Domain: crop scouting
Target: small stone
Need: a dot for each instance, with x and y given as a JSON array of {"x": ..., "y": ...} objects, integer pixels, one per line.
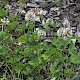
[{"x": 32, "y": 5}]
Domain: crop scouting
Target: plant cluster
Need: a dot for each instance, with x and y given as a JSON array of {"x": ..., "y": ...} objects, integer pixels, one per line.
[{"x": 27, "y": 53}]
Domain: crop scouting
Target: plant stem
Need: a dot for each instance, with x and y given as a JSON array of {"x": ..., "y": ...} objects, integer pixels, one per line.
[{"x": 2, "y": 27}]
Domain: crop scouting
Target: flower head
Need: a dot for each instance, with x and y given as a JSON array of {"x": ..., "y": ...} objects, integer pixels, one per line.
[
  {"x": 64, "y": 32},
  {"x": 60, "y": 32},
  {"x": 67, "y": 32},
  {"x": 5, "y": 21},
  {"x": 41, "y": 33},
  {"x": 30, "y": 16}
]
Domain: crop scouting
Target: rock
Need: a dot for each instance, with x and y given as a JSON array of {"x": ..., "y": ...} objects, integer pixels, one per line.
[{"x": 32, "y": 5}]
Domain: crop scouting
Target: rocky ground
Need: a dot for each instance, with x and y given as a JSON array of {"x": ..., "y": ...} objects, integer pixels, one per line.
[
  {"x": 68, "y": 14},
  {"x": 65, "y": 11}
]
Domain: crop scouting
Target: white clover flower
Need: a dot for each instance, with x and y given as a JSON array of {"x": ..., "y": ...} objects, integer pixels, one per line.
[
  {"x": 60, "y": 32},
  {"x": 30, "y": 16},
  {"x": 64, "y": 32},
  {"x": 41, "y": 34},
  {"x": 49, "y": 21},
  {"x": 67, "y": 32},
  {"x": 34, "y": 14},
  {"x": 5, "y": 21}
]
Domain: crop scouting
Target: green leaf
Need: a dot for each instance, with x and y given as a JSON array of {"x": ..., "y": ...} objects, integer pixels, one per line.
[
  {"x": 3, "y": 50},
  {"x": 34, "y": 36},
  {"x": 3, "y": 4},
  {"x": 75, "y": 58},
  {"x": 16, "y": 50},
  {"x": 78, "y": 38},
  {"x": 59, "y": 43},
  {"x": 11, "y": 26},
  {"x": 15, "y": 59},
  {"x": 27, "y": 70},
  {"x": 2, "y": 35},
  {"x": 3, "y": 12},
  {"x": 58, "y": 3},
  {"x": 27, "y": 51},
  {"x": 46, "y": 26},
  {"x": 30, "y": 78},
  {"x": 40, "y": 77},
  {"x": 21, "y": 1},
  {"x": 67, "y": 72},
  {"x": 53, "y": 71},
  {"x": 44, "y": 56},
  {"x": 31, "y": 26},
  {"x": 18, "y": 16},
  {"x": 54, "y": 68},
  {"x": 72, "y": 47},
  {"x": 21, "y": 29},
  {"x": 22, "y": 38},
  {"x": 55, "y": 24},
  {"x": 3, "y": 77},
  {"x": 35, "y": 62},
  {"x": 17, "y": 69},
  {"x": 12, "y": 16}
]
